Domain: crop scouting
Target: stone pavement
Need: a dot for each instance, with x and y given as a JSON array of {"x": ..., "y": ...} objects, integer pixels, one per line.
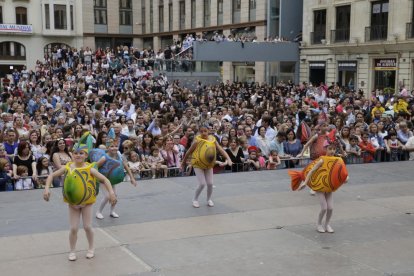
[{"x": 258, "y": 227}]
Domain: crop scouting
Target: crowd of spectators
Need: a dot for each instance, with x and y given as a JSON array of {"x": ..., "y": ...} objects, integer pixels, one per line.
[{"x": 153, "y": 120}]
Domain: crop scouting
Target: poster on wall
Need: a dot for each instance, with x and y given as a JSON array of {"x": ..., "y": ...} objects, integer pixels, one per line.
[
  {"x": 15, "y": 28},
  {"x": 385, "y": 64}
]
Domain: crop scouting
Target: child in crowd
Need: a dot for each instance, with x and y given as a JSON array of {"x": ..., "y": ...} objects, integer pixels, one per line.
[
  {"x": 244, "y": 146},
  {"x": 5, "y": 176},
  {"x": 253, "y": 163},
  {"x": 157, "y": 163},
  {"x": 352, "y": 150},
  {"x": 23, "y": 182},
  {"x": 44, "y": 169},
  {"x": 274, "y": 160},
  {"x": 394, "y": 146},
  {"x": 367, "y": 148},
  {"x": 135, "y": 164},
  {"x": 261, "y": 158}
]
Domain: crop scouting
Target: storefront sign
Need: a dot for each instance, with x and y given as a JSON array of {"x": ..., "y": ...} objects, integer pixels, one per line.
[
  {"x": 317, "y": 65},
  {"x": 13, "y": 28},
  {"x": 385, "y": 64},
  {"x": 347, "y": 65}
]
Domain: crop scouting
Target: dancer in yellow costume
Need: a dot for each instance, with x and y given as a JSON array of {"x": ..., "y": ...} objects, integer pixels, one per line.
[
  {"x": 79, "y": 191},
  {"x": 324, "y": 195},
  {"x": 203, "y": 152}
]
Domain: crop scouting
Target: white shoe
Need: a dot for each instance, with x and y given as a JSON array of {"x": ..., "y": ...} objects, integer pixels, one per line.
[
  {"x": 153, "y": 177},
  {"x": 329, "y": 229},
  {"x": 90, "y": 254},
  {"x": 320, "y": 229},
  {"x": 312, "y": 192},
  {"x": 114, "y": 215},
  {"x": 99, "y": 215},
  {"x": 72, "y": 256},
  {"x": 196, "y": 204},
  {"x": 210, "y": 203}
]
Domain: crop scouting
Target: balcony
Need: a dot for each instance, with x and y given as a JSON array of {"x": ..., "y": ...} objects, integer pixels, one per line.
[
  {"x": 340, "y": 35},
  {"x": 317, "y": 37},
  {"x": 376, "y": 32},
  {"x": 245, "y": 52},
  {"x": 409, "y": 31}
]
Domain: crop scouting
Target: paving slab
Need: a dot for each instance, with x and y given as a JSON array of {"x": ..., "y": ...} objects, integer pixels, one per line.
[
  {"x": 257, "y": 227},
  {"x": 107, "y": 261}
]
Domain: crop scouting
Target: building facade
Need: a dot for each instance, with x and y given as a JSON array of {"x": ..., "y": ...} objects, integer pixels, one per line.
[
  {"x": 30, "y": 29},
  {"x": 366, "y": 45},
  {"x": 40, "y": 25},
  {"x": 157, "y": 23}
]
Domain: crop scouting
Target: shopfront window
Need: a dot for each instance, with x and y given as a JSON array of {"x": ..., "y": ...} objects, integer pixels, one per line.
[
  {"x": 385, "y": 71},
  {"x": 347, "y": 74},
  {"x": 317, "y": 72},
  {"x": 244, "y": 72}
]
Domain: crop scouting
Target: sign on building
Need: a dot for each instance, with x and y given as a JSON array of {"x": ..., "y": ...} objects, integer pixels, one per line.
[{"x": 14, "y": 28}]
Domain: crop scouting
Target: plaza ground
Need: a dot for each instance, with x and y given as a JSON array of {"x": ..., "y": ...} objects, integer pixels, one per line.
[{"x": 258, "y": 227}]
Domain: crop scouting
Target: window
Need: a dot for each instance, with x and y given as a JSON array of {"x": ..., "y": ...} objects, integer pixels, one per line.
[
  {"x": 319, "y": 26},
  {"x": 252, "y": 10},
  {"x": 125, "y": 12},
  {"x": 161, "y": 16},
  {"x": 100, "y": 10},
  {"x": 343, "y": 21},
  {"x": 1, "y": 15},
  {"x": 193, "y": 13},
  {"x": 182, "y": 15},
  {"x": 236, "y": 11},
  {"x": 412, "y": 14},
  {"x": 21, "y": 16},
  {"x": 60, "y": 17},
  {"x": 170, "y": 16},
  {"x": 274, "y": 18},
  {"x": 151, "y": 17},
  {"x": 144, "y": 20},
  {"x": 220, "y": 12},
  {"x": 47, "y": 16},
  {"x": 12, "y": 50},
  {"x": 379, "y": 20},
  {"x": 207, "y": 13},
  {"x": 71, "y": 18}
]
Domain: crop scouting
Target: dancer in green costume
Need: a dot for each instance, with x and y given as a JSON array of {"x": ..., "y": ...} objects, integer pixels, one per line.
[{"x": 79, "y": 191}]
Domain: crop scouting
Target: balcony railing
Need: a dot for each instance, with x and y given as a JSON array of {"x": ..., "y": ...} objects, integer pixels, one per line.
[
  {"x": 340, "y": 35},
  {"x": 410, "y": 31},
  {"x": 376, "y": 32},
  {"x": 317, "y": 37}
]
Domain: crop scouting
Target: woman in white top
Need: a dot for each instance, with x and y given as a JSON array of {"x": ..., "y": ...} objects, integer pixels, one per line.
[{"x": 262, "y": 142}]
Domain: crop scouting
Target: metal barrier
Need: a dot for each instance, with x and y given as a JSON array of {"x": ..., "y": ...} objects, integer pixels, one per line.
[
  {"x": 381, "y": 156},
  {"x": 286, "y": 163}
]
